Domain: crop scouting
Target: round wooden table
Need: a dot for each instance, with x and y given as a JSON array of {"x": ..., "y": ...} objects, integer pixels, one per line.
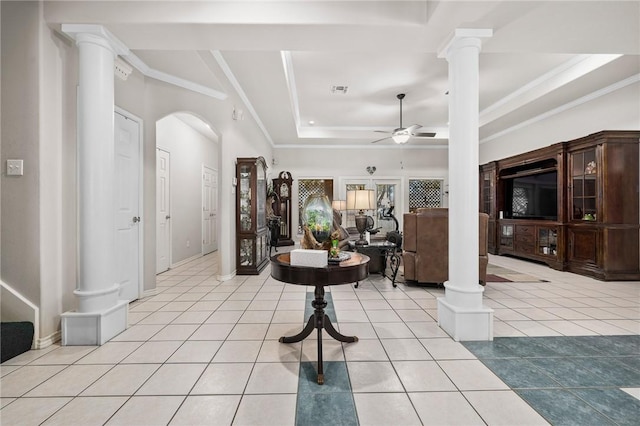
[{"x": 346, "y": 272}]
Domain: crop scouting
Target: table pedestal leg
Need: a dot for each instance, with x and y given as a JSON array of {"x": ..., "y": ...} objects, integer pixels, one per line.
[{"x": 319, "y": 320}]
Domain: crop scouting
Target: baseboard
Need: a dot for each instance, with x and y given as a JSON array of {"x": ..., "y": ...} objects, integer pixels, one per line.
[
  {"x": 47, "y": 341},
  {"x": 185, "y": 261},
  {"x": 149, "y": 293},
  {"x": 226, "y": 277}
]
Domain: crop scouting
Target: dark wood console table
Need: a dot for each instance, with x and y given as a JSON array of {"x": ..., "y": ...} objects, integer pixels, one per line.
[{"x": 346, "y": 272}]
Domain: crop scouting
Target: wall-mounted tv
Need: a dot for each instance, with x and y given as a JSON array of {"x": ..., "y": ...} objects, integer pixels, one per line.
[{"x": 534, "y": 196}]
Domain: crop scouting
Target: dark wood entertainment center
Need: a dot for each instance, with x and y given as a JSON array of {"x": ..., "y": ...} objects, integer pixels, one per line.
[{"x": 591, "y": 227}]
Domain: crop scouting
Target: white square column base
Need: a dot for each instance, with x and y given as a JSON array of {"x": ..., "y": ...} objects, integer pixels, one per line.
[
  {"x": 94, "y": 328},
  {"x": 464, "y": 324}
]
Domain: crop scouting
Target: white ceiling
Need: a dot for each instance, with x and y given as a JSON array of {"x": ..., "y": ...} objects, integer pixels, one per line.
[{"x": 285, "y": 56}]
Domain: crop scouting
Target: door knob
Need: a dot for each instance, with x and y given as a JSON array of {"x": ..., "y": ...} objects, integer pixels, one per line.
[
  {"x": 167, "y": 217},
  {"x": 136, "y": 219}
]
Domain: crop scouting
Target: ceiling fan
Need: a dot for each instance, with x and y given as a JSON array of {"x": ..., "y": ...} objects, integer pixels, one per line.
[{"x": 401, "y": 135}]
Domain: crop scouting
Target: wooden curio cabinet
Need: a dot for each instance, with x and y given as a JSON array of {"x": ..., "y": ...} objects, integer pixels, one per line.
[
  {"x": 251, "y": 223},
  {"x": 602, "y": 208},
  {"x": 572, "y": 205},
  {"x": 282, "y": 187}
]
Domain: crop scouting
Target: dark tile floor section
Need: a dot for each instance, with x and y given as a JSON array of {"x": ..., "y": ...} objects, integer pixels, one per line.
[
  {"x": 569, "y": 380},
  {"x": 328, "y": 404},
  {"x": 331, "y": 403}
]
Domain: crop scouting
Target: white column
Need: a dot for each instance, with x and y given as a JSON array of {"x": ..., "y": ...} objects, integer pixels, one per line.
[
  {"x": 100, "y": 315},
  {"x": 461, "y": 312}
]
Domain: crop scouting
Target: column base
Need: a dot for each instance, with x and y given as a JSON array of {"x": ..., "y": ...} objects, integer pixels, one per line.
[
  {"x": 465, "y": 324},
  {"x": 94, "y": 328}
]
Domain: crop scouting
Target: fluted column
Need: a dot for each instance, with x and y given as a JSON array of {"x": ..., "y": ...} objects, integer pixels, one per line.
[
  {"x": 96, "y": 288},
  {"x": 461, "y": 313}
]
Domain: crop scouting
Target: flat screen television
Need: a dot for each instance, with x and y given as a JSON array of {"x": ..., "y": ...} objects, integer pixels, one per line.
[{"x": 534, "y": 196}]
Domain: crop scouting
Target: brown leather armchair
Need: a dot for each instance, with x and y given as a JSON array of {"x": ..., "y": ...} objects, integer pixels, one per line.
[{"x": 426, "y": 246}]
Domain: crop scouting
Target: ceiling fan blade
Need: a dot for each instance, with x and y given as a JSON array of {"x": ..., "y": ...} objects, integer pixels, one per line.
[
  {"x": 382, "y": 131},
  {"x": 413, "y": 127},
  {"x": 378, "y": 140},
  {"x": 424, "y": 135}
]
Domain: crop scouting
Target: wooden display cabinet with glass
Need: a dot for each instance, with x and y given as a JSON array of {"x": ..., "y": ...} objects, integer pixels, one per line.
[
  {"x": 593, "y": 228},
  {"x": 282, "y": 186},
  {"x": 251, "y": 225}
]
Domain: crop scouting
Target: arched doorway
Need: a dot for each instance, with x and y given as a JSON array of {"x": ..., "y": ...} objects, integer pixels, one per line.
[{"x": 187, "y": 165}]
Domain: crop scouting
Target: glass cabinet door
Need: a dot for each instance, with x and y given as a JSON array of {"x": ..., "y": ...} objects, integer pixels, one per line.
[
  {"x": 245, "y": 197},
  {"x": 506, "y": 236},
  {"x": 261, "y": 193},
  {"x": 486, "y": 198},
  {"x": 584, "y": 174},
  {"x": 547, "y": 241}
]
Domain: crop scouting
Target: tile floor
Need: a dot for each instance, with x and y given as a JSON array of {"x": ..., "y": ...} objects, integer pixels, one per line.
[{"x": 202, "y": 352}]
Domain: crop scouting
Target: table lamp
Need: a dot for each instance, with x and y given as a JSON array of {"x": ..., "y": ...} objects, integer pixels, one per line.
[
  {"x": 339, "y": 206},
  {"x": 361, "y": 200}
]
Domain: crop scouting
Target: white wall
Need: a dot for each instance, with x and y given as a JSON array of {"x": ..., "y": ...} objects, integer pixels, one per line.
[
  {"x": 350, "y": 163},
  {"x": 189, "y": 150},
  {"x": 619, "y": 110}
]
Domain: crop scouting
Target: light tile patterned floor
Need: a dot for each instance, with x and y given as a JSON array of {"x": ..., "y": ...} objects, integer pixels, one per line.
[{"x": 202, "y": 351}]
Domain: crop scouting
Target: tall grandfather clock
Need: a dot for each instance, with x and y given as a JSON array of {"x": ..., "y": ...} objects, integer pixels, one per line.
[{"x": 282, "y": 186}]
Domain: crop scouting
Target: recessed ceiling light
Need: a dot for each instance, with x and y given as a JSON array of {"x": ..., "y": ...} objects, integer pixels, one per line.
[
  {"x": 339, "y": 89},
  {"x": 311, "y": 122}
]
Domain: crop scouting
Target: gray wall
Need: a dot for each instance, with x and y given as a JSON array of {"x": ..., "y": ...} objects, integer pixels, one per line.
[{"x": 20, "y": 140}]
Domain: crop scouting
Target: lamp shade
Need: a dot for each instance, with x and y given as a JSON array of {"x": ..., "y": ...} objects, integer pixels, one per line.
[
  {"x": 361, "y": 199},
  {"x": 339, "y": 205}
]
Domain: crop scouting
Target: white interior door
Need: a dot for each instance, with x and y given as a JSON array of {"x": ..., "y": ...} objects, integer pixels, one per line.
[
  {"x": 209, "y": 210},
  {"x": 127, "y": 205},
  {"x": 163, "y": 211}
]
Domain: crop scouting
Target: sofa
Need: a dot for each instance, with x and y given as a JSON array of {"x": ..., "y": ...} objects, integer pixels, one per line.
[{"x": 426, "y": 246}]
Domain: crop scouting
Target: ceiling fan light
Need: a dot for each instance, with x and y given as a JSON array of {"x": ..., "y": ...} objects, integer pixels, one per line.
[{"x": 401, "y": 138}]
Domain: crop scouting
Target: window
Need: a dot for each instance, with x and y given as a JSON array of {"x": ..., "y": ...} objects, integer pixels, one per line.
[
  {"x": 307, "y": 187},
  {"x": 385, "y": 199},
  {"x": 425, "y": 193}
]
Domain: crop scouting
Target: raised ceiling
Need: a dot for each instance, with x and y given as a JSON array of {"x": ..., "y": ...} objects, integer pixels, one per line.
[{"x": 285, "y": 56}]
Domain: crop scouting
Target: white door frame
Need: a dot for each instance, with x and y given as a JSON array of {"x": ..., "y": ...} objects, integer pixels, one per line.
[
  {"x": 370, "y": 183},
  {"x": 138, "y": 120}
]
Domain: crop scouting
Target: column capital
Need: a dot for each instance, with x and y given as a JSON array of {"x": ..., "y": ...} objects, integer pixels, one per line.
[
  {"x": 95, "y": 34},
  {"x": 475, "y": 35}
]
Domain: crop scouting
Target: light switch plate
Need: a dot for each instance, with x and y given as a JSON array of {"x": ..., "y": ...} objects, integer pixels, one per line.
[{"x": 15, "y": 167}]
